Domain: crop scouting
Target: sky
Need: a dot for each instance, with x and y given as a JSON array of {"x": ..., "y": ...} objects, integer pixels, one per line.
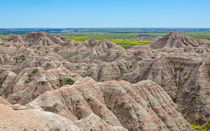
[{"x": 104, "y": 13}]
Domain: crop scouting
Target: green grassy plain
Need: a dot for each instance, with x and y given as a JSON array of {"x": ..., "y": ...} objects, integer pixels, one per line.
[
  {"x": 113, "y": 36},
  {"x": 199, "y": 35},
  {"x": 129, "y": 44},
  {"x": 2, "y": 36},
  {"x": 193, "y": 35}
]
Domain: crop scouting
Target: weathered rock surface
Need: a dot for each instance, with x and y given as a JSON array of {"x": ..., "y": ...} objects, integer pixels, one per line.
[
  {"x": 91, "y": 105},
  {"x": 36, "y": 65},
  {"x": 175, "y": 39}
]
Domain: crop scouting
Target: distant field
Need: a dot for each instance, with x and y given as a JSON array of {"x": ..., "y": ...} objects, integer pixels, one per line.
[
  {"x": 126, "y": 36},
  {"x": 129, "y": 44},
  {"x": 113, "y": 36},
  {"x": 199, "y": 35},
  {"x": 194, "y": 35},
  {"x": 2, "y": 36}
]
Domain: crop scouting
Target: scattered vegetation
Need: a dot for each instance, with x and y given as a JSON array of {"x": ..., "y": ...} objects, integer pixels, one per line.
[
  {"x": 35, "y": 71},
  {"x": 19, "y": 59},
  {"x": 93, "y": 130},
  {"x": 53, "y": 108},
  {"x": 7, "y": 91},
  {"x": 53, "y": 87},
  {"x": 194, "y": 96},
  {"x": 31, "y": 75},
  {"x": 198, "y": 128},
  {"x": 175, "y": 98},
  {"x": 42, "y": 82},
  {"x": 55, "y": 105},
  {"x": 66, "y": 81},
  {"x": 179, "y": 68}
]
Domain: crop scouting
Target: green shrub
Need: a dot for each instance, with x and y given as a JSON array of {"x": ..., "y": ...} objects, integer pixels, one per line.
[
  {"x": 194, "y": 96},
  {"x": 55, "y": 105},
  {"x": 69, "y": 81},
  {"x": 66, "y": 81},
  {"x": 93, "y": 130},
  {"x": 19, "y": 59},
  {"x": 174, "y": 98},
  {"x": 27, "y": 81},
  {"x": 53, "y": 87},
  {"x": 42, "y": 82},
  {"x": 198, "y": 127},
  {"x": 208, "y": 125},
  {"x": 179, "y": 68},
  {"x": 35, "y": 71},
  {"x": 31, "y": 75}
]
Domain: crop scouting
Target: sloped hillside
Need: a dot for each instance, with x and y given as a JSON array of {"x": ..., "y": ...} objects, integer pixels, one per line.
[{"x": 98, "y": 85}]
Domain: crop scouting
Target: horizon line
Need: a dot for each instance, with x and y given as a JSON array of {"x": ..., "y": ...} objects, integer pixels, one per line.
[{"x": 104, "y": 27}]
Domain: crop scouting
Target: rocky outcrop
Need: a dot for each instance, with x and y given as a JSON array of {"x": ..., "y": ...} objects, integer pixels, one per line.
[
  {"x": 38, "y": 64},
  {"x": 177, "y": 40},
  {"x": 91, "y": 105}
]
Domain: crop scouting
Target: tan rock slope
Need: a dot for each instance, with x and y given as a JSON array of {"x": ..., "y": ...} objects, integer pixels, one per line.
[
  {"x": 175, "y": 39},
  {"x": 37, "y": 69},
  {"x": 90, "y": 105}
]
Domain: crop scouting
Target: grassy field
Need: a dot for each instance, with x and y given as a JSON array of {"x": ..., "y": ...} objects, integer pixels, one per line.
[
  {"x": 199, "y": 35},
  {"x": 2, "y": 36},
  {"x": 114, "y": 36},
  {"x": 193, "y": 35},
  {"x": 129, "y": 44}
]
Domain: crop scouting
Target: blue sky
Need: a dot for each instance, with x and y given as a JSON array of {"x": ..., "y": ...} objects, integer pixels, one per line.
[{"x": 104, "y": 13}]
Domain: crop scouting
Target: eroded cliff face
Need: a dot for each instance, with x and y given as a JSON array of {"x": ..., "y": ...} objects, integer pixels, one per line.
[
  {"x": 86, "y": 105},
  {"x": 38, "y": 62}
]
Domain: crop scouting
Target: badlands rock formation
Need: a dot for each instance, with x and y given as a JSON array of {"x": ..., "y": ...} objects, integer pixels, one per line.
[{"x": 61, "y": 84}]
